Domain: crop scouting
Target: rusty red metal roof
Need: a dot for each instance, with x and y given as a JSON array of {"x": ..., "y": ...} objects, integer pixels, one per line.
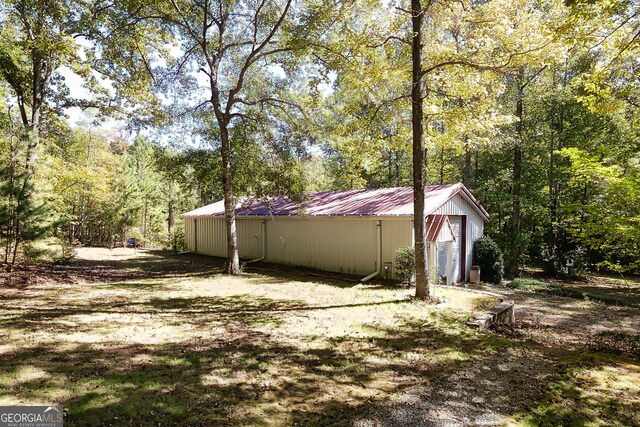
[{"x": 397, "y": 201}]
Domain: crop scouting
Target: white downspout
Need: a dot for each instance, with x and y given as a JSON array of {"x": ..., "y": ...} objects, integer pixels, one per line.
[
  {"x": 264, "y": 244},
  {"x": 379, "y": 250}
]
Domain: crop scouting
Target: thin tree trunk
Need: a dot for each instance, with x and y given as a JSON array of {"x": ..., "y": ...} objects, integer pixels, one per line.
[
  {"x": 475, "y": 163},
  {"x": 466, "y": 171},
  {"x": 389, "y": 169},
  {"x": 10, "y": 207},
  {"x": 514, "y": 264},
  {"x": 171, "y": 219},
  {"x": 144, "y": 219},
  {"x": 233, "y": 260},
  {"x": 397, "y": 164},
  {"x": 552, "y": 197},
  {"x": 41, "y": 72},
  {"x": 81, "y": 224},
  {"x": 72, "y": 226},
  {"x": 15, "y": 247},
  {"x": 213, "y": 54},
  {"x": 441, "y": 164},
  {"x": 555, "y": 143},
  {"x": 419, "y": 154}
]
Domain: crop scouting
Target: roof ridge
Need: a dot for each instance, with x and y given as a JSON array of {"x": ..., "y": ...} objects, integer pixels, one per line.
[
  {"x": 459, "y": 184},
  {"x": 388, "y": 201}
]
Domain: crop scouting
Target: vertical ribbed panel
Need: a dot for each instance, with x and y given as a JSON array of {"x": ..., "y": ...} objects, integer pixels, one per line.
[
  {"x": 189, "y": 244},
  {"x": 331, "y": 244},
  {"x": 212, "y": 237},
  {"x": 249, "y": 238},
  {"x": 396, "y": 233}
]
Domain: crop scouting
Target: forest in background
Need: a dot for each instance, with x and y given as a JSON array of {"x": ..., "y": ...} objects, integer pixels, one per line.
[{"x": 532, "y": 104}]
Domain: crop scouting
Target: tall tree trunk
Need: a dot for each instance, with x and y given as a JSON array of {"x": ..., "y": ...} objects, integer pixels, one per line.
[
  {"x": 475, "y": 163},
  {"x": 441, "y": 181},
  {"x": 41, "y": 70},
  {"x": 260, "y": 48},
  {"x": 144, "y": 219},
  {"x": 16, "y": 245},
  {"x": 422, "y": 276},
  {"x": 171, "y": 219},
  {"x": 72, "y": 226},
  {"x": 553, "y": 208},
  {"x": 514, "y": 262},
  {"x": 397, "y": 164},
  {"x": 41, "y": 73},
  {"x": 466, "y": 171},
  {"x": 555, "y": 143},
  {"x": 81, "y": 222},
  {"x": 12, "y": 179},
  {"x": 389, "y": 168},
  {"x": 233, "y": 260}
]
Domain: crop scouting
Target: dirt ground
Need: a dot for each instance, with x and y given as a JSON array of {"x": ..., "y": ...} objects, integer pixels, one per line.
[
  {"x": 141, "y": 337},
  {"x": 571, "y": 321}
]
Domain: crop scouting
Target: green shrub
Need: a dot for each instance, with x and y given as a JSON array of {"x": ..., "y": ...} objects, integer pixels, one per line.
[
  {"x": 572, "y": 263},
  {"x": 67, "y": 251},
  {"x": 405, "y": 263},
  {"x": 488, "y": 256},
  {"x": 175, "y": 240}
]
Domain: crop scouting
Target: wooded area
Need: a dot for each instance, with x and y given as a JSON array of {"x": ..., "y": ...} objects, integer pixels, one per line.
[
  {"x": 533, "y": 105},
  {"x": 118, "y": 116}
]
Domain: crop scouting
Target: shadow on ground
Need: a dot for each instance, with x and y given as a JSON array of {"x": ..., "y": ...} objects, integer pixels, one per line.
[
  {"x": 245, "y": 376},
  {"x": 242, "y": 367},
  {"x": 241, "y": 376},
  {"x": 160, "y": 264},
  {"x": 156, "y": 264}
]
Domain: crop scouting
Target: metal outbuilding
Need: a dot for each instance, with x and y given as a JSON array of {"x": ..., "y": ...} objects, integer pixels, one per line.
[{"x": 354, "y": 232}]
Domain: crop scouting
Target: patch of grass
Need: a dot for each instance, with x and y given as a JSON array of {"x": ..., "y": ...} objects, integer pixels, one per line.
[
  {"x": 611, "y": 296},
  {"x": 595, "y": 390},
  {"x": 149, "y": 340},
  {"x": 527, "y": 284},
  {"x": 484, "y": 303},
  {"x": 144, "y": 339},
  {"x": 586, "y": 291},
  {"x": 617, "y": 342}
]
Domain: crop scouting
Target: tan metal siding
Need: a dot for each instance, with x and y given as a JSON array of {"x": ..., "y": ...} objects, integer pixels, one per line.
[
  {"x": 249, "y": 238},
  {"x": 331, "y": 244},
  {"x": 189, "y": 243},
  {"x": 395, "y": 234},
  {"x": 211, "y": 235}
]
